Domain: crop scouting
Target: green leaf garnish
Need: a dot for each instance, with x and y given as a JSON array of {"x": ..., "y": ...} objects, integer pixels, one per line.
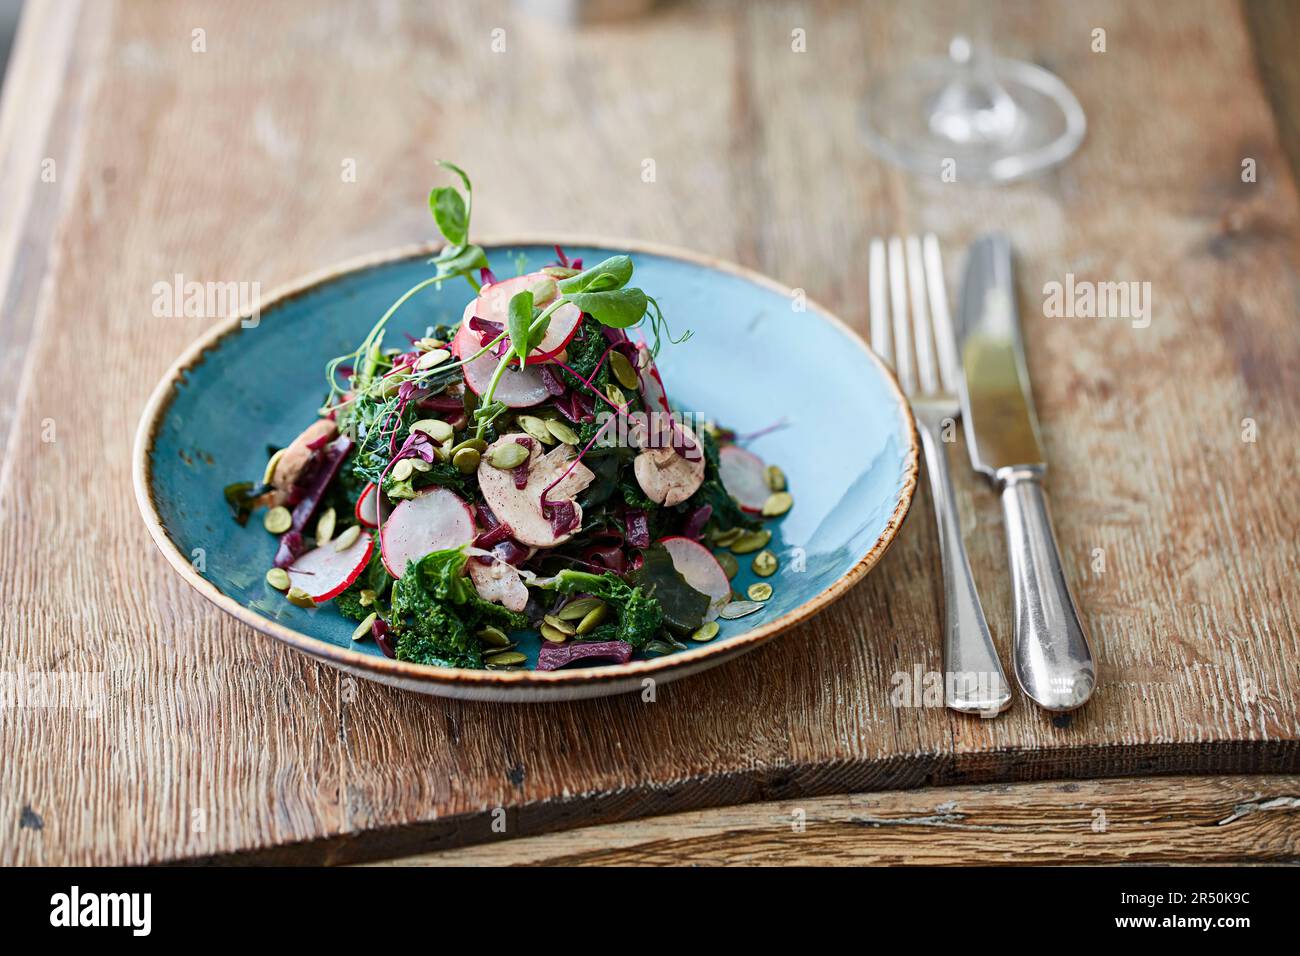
[
  {"x": 450, "y": 214},
  {"x": 617, "y": 308},
  {"x": 614, "y": 273}
]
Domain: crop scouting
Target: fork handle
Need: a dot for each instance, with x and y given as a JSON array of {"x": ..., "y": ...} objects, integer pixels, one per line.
[
  {"x": 1054, "y": 664},
  {"x": 974, "y": 682}
]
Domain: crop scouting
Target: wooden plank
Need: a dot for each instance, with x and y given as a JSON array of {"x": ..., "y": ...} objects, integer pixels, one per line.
[
  {"x": 213, "y": 742},
  {"x": 1177, "y": 820}
]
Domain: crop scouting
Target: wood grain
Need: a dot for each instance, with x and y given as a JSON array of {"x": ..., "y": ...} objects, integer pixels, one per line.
[
  {"x": 214, "y": 743},
  {"x": 1183, "y": 820}
]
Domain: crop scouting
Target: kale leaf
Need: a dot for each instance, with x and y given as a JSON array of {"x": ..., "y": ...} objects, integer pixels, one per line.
[{"x": 639, "y": 615}]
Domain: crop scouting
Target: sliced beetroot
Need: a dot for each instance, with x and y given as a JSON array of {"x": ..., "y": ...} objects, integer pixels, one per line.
[
  {"x": 325, "y": 572},
  {"x": 291, "y": 545},
  {"x": 744, "y": 476},
  {"x": 696, "y": 522},
  {"x": 638, "y": 529},
  {"x": 435, "y": 519},
  {"x": 554, "y": 656},
  {"x": 379, "y": 631},
  {"x": 518, "y": 388},
  {"x": 324, "y": 467},
  {"x": 701, "y": 570},
  {"x": 520, "y": 472}
]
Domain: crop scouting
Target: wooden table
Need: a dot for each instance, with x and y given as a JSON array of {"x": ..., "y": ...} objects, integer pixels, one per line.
[{"x": 138, "y": 141}]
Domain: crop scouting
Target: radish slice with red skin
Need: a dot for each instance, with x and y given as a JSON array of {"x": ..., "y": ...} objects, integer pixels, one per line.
[
  {"x": 493, "y": 302},
  {"x": 325, "y": 573},
  {"x": 433, "y": 520},
  {"x": 518, "y": 388},
  {"x": 744, "y": 476},
  {"x": 701, "y": 569},
  {"x": 653, "y": 394},
  {"x": 367, "y": 509},
  {"x": 561, "y": 329}
]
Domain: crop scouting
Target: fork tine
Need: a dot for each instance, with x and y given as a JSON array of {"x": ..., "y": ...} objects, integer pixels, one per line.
[
  {"x": 898, "y": 303},
  {"x": 925, "y": 368},
  {"x": 880, "y": 337},
  {"x": 944, "y": 340}
]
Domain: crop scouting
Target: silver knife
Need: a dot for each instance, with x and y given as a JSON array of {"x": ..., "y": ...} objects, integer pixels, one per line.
[{"x": 1053, "y": 661}]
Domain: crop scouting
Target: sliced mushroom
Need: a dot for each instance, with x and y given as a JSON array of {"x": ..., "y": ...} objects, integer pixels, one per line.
[
  {"x": 499, "y": 583},
  {"x": 521, "y": 508},
  {"x": 295, "y": 458},
  {"x": 670, "y": 468}
]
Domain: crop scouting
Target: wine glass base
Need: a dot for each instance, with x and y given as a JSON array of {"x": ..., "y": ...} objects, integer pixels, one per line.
[{"x": 1033, "y": 123}]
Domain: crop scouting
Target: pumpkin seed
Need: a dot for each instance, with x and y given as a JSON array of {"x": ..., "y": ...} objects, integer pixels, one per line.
[
  {"x": 777, "y": 504},
  {"x": 760, "y": 591},
  {"x": 729, "y": 564},
  {"x": 577, "y": 609},
  {"x": 347, "y": 538},
  {"x": 738, "y": 609},
  {"x": 270, "y": 467},
  {"x": 494, "y": 637},
  {"x": 615, "y": 394},
  {"x": 478, "y": 444},
  {"x": 466, "y": 460},
  {"x": 435, "y": 428},
  {"x": 562, "y": 432},
  {"x": 535, "y": 427},
  {"x": 363, "y": 629},
  {"x": 278, "y": 578},
  {"x": 428, "y": 345},
  {"x": 775, "y": 478},
  {"x": 420, "y": 465},
  {"x": 764, "y": 564},
  {"x": 507, "y": 456},
  {"x": 278, "y": 520},
  {"x": 706, "y": 632},
  {"x": 593, "y": 619},
  {"x": 724, "y": 539},
  {"x": 554, "y": 635},
  {"x": 505, "y": 658},
  {"x": 325, "y": 526},
  {"x": 432, "y": 359},
  {"x": 366, "y": 597},
  {"x": 402, "y": 470},
  {"x": 623, "y": 370},
  {"x": 564, "y": 627},
  {"x": 751, "y": 541},
  {"x": 300, "y": 597}
]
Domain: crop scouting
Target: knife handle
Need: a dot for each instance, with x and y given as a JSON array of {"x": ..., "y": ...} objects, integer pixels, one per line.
[{"x": 1053, "y": 661}]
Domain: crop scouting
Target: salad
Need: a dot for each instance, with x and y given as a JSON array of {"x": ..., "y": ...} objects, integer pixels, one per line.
[{"x": 520, "y": 470}]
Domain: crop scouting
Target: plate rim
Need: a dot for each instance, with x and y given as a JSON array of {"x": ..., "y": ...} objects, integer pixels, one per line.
[{"x": 163, "y": 394}]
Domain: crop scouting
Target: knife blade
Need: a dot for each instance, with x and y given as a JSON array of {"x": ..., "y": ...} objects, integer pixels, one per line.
[{"x": 1053, "y": 660}]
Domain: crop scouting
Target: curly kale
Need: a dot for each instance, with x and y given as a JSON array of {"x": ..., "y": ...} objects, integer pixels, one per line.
[
  {"x": 726, "y": 512},
  {"x": 639, "y": 615},
  {"x": 583, "y": 352},
  {"x": 436, "y": 613}
]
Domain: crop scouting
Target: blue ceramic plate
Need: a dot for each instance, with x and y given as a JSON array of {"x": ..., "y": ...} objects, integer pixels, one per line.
[{"x": 758, "y": 355}]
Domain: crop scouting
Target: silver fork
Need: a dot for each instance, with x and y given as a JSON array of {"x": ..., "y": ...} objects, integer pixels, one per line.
[{"x": 906, "y": 276}]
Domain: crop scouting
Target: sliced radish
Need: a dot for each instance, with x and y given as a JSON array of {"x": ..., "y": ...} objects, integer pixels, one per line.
[
  {"x": 521, "y": 508},
  {"x": 701, "y": 569},
  {"x": 653, "y": 394},
  {"x": 436, "y": 519},
  {"x": 493, "y": 302},
  {"x": 500, "y": 583},
  {"x": 518, "y": 388},
  {"x": 563, "y": 325},
  {"x": 325, "y": 573},
  {"x": 744, "y": 476},
  {"x": 367, "y": 509}
]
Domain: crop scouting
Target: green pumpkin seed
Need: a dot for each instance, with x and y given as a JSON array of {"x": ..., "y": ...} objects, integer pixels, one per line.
[
  {"x": 325, "y": 526},
  {"x": 777, "y": 504},
  {"x": 366, "y": 597},
  {"x": 775, "y": 478},
  {"x": 554, "y": 635},
  {"x": 507, "y": 456},
  {"x": 726, "y": 538},
  {"x": 466, "y": 460},
  {"x": 278, "y": 578},
  {"x": 729, "y": 564},
  {"x": 615, "y": 394},
  {"x": 535, "y": 427},
  {"x": 764, "y": 564},
  {"x": 478, "y": 444},
  {"x": 347, "y": 538},
  {"x": 420, "y": 465},
  {"x": 562, "y": 432},
  {"x": 363, "y": 629},
  {"x": 300, "y": 597},
  {"x": 505, "y": 659},
  {"x": 579, "y": 608},
  {"x": 435, "y": 428},
  {"x": 760, "y": 591},
  {"x": 432, "y": 359},
  {"x": 270, "y": 467},
  {"x": 563, "y": 626},
  {"x": 494, "y": 637},
  {"x": 278, "y": 520},
  {"x": 402, "y": 470},
  {"x": 737, "y": 609},
  {"x": 751, "y": 541},
  {"x": 593, "y": 619},
  {"x": 706, "y": 632},
  {"x": 428, "y": 345},
  {"x": 623, "y": 371}
]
